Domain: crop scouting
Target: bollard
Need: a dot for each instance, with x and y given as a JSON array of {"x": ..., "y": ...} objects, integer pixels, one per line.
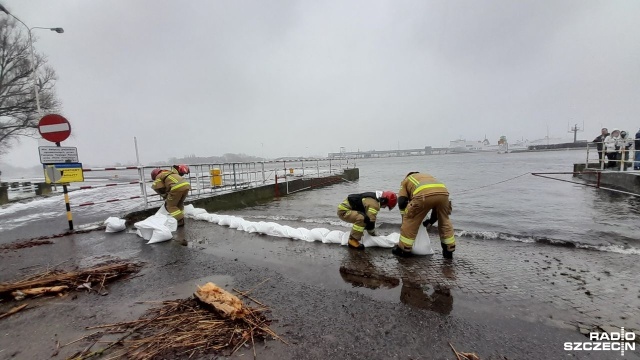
[
  {"x": 43, "y": 189},
  {"x": 4, "y": 195},
  {"x": 216, "y": 177}
]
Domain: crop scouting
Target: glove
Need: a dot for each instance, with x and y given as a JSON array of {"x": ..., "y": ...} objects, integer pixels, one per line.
[
  {"x": 368, "y": 224},
  {"x": 431, "y": 220},
  {"x": 372, "y": 232}
]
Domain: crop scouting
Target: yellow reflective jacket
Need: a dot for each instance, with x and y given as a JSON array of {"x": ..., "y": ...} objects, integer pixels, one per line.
[
  {"x": 168, "y": 181},
  {"x": 421, "y": 184}
]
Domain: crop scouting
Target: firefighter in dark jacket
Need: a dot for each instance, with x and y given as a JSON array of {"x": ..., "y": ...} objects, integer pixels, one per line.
[{"x": 361, "y": 210}]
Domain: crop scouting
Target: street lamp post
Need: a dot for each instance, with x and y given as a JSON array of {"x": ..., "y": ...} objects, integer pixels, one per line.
[{"x": 59, "y": 30}]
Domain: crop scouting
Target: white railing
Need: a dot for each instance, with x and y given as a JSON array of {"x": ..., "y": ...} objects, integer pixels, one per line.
[
  {"x": 232, "y": 177},
  {"x": 620, "y": 160}
]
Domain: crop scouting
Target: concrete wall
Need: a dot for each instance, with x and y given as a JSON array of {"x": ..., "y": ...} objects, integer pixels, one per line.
[
  {"x": 255, "y": 196},
  {"x": 580, "y": 167},
  {"x": 616, "y": 179},
  {"x": 581, "y": 144},
  {"x": 43, "y": 189}
]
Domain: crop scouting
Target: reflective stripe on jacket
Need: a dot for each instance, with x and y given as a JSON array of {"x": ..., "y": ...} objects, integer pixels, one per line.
[{"x": 421, "y": 184}]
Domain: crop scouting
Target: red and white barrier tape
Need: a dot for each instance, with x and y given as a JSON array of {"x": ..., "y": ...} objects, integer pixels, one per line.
[
  {"x": 106, "y": 185},
  {"x": 112, "y": 168},
  {"x": 105, "y": 202}
]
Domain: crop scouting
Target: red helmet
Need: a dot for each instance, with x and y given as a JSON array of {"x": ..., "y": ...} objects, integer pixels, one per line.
[
  {"x": 181, "y": 169},
  {"x": 391, "y": 199},
  {"x": 155, "y": 172}
]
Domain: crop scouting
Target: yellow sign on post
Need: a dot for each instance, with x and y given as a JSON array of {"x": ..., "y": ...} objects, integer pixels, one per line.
[{"x": 63, "y": 173}]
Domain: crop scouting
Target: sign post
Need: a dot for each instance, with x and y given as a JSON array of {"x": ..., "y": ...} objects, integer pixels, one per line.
[{"x": 56, "y": 129}]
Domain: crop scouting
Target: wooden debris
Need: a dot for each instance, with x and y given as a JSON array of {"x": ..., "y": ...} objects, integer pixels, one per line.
[
  {"x": 464, "y": 356},
  {"x": 227, "y": 304},
  {"x": 39, "y": 291},
  {"x": 55, "y": 279},
  {"x": 188, "y": 327},
  {"x": 13, "y": 311}
]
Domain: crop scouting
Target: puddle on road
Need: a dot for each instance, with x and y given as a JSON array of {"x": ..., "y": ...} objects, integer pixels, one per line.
[{"x": 432, "y": 297}]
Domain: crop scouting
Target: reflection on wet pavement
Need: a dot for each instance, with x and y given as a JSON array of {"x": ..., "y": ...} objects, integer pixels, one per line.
[{"x": 358, "y": 269}]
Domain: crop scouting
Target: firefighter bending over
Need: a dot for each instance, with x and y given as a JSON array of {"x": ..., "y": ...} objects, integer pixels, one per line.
[
  {"x": 419, "y": 193},
  {"x": 361, "y": 210},
  {"x": 173, "y": 189}
]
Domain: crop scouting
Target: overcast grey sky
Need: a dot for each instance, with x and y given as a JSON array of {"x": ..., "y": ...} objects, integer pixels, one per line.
[{"x": 307, "y": 77}]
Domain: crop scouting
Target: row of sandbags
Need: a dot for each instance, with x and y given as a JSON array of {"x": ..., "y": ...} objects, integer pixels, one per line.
[
  {"x": 421, "y": 247},
  {"x": 159, "y": 228}
]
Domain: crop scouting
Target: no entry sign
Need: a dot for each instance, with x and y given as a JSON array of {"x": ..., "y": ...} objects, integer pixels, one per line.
[{"x": 54, "y": 128}]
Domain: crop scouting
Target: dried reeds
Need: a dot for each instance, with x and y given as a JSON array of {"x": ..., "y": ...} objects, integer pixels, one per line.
[
  {"x": 184, "y": 328},
  {"x": 54, "y": 281}
]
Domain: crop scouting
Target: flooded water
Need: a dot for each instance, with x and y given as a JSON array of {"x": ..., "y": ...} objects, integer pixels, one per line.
[{"x": 525, "y": 209}]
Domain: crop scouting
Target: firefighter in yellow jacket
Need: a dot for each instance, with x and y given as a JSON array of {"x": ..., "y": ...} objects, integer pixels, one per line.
[
  {"x": 174, "y": 189},
  {"x": 361, "y": 210},
  {"x": 419, "y": 193}
]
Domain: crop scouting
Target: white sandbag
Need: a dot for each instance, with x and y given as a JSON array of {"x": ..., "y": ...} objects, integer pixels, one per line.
[
  {"x": 114, "y": 224},
  {"x": 156, "y": 228},
  {"x": 422, "y": 246},
  {"x": 318, "y": 234},
  {"x": 335, "y": 237},
  {"x": 192, "y": 211},
  {"x": 266, "y": 228},
  {"x": 379, "y": 241},
  {"x": 305, "y": 234},
  {"x": 224, "y": 221},
  {"x": 162, "y": 210}
]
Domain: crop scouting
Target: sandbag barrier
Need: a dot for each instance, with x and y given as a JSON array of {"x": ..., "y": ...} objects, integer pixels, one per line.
[{"x": 422, "y": 245}]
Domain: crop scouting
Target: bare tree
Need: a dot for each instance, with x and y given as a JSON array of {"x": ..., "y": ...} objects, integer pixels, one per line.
[{"x": 18, "y": 112}]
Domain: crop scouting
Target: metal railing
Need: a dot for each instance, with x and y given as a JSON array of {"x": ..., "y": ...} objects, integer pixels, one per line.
[
  {"x": 21, "y": 190},
  {"x": 245, "y": 175},
  {"x": 231, "y": 177},
  {"x": 620, "y": 159}
]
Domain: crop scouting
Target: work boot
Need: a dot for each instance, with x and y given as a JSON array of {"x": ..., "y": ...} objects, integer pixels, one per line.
[
  {"x": 398, "y": 251},
  {"x": 355, "y": 244},
  {"x": 181, "y": 223},
  {"x": 447, "y": 250}
]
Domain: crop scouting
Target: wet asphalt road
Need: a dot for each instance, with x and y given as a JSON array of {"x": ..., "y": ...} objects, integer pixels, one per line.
[{"x": 317, "y": 312}]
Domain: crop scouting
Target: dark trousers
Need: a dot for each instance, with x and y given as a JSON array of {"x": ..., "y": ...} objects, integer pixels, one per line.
[{"x": 613, "y": 160}]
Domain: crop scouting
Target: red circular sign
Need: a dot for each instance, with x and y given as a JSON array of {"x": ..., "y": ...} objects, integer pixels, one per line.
[{"x": 54, "y": 128}]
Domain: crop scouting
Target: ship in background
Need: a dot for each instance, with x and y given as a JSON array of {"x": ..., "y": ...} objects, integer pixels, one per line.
[
  {"x": 466, "y": 146},
  {"x": 503, "y": 145}
]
